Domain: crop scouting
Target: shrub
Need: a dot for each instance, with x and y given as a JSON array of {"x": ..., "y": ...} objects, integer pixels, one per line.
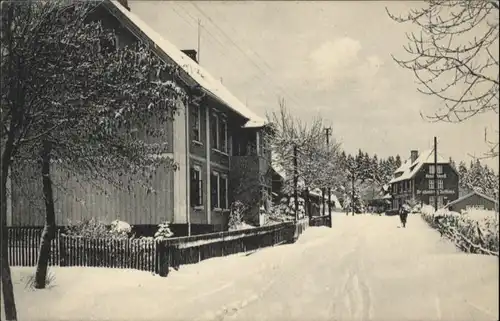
[
  {"x": 236, "y": 213},
  {"x": 163, "y": 231},
  {"x": 90, "y": 228},
  {"x": 120, "y": 229},
  {"x": 470, "y": 233}
]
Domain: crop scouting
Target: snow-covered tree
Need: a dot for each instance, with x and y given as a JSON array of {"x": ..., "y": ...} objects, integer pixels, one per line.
[
  {"x": 301, "y": 151},
  {"x": 72, "y": 98}
]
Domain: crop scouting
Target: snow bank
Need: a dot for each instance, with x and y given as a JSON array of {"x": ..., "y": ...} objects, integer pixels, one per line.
[
  {"x": 475, "y": 231},
  {"x": 364, "y": 268},
  {"x": 241, "y": 226}
]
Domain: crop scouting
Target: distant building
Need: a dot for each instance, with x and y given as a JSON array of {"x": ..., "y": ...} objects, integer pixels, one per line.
[
  {"x": 473, "y": 200},
  {"x": 414, "y": 179}
]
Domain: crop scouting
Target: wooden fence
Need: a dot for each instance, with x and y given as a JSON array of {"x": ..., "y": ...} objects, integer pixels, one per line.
[
  {"x": 324, "y": 220},
  {"x": 146, "y": 254},
  {"x": 24, "y": 244}
]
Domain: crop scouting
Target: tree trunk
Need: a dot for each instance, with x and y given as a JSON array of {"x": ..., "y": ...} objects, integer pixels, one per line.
[
  {"x": 8, "y": 150},
  {"x": 50, "y": 220},
  {"x": 307, "y": 203},
  {"x": 295, "y": 182},
  {"x": 323, "y": 201},
  {"x": 353, "y": 194},
  {"x": 7, "y": 287},
  {"x": 330, "y": 205}
]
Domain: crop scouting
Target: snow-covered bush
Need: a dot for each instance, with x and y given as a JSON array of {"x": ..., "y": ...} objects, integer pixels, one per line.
[
  {"x": 236, "y": 212},
  {"x": 163, "y": 232},
  {"x": 94, "y": 229},
  {"x": 120, "y": 229},
  {"x": 470, "y": 232},
  {"x": 89, "y": 228}
]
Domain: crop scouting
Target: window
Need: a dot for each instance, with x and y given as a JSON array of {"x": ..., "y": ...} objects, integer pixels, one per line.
[
  {"x": 440, "y": 184},
  {"x": 196, "y": 187},
  {"x": 440, "y": 201},
  {"x": 196, "y": 123},
  {"x": 432, "y": 169},
  {"x": 431, "y": 200},
  {"x": 218, "y": 133},
  {"x": 219, "y": 189},
  {"x": 223, "y": 201},
  {"x": 262, "y": 144},
  {"x": 222, "y": 136},
  {"x": 214, "y": 128},
  {"x": 439, "y": 169},
  {"x": 214, "y": 184},
  {"x": 431, "y": 184}
]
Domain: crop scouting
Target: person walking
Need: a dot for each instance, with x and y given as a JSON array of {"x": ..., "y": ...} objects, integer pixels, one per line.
[{"x": 403, "y": 213}]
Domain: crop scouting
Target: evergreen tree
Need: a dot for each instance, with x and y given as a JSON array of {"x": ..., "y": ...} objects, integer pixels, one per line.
[{"x": 398, "y": 161}]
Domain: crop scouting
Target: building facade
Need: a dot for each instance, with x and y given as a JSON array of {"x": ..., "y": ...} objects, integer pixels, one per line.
[
  {"x": 474, "y": 200},
  {"x": 416, "y": 179},
  {"x": 215, "y": 140}
]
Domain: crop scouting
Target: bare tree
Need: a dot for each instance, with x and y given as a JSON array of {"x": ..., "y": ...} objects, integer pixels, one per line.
[
  {"x": 455, "y": 57},
  {"x": 317, "y": 163}
]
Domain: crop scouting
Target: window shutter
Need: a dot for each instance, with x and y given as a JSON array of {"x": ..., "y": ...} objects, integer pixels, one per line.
[
  {"x": 200, "y": 189},
  {"x": 192, "y": 188},
  {"x": 214, "y": 190}
]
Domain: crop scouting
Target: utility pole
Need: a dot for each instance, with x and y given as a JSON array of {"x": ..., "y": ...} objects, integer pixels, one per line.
[
  {"x": 295, "y": 182},
  {"x": 199, "y": 39},
  {"x": 435, "y": 175},
  {"x": 328, "y": 133}
]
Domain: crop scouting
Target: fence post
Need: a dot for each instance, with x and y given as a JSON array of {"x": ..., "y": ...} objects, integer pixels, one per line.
[
  {"x": 62, "y": 249},
  {"x": 162, "y": 258}
]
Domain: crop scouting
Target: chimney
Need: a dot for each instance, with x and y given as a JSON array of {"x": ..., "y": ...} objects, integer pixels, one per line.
[
  {"x": 125, "y": 4},
  {"x": 413, "y": 155},
  {"x": 191, "y": 53}
]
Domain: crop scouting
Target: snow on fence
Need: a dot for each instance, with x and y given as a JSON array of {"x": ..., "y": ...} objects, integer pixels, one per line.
[
  {"x": 24, "y": 243},
  {"x": 320, "y": 220},
  {"x": 156, "y": 256},
  {"x": 471, "y": 235}
]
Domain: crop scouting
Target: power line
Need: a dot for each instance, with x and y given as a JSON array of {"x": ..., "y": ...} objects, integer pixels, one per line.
[
  {"x": 211, "y": 37},
  {"x": 242, "y": 51}
]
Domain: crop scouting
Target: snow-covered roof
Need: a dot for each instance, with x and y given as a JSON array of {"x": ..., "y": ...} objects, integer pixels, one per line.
[
  {"x": 317, "y": 192},
  {"x": 208, "y": 83},
  {"x": 409, "y": 169},
  {"x": 469, "y": 195}
]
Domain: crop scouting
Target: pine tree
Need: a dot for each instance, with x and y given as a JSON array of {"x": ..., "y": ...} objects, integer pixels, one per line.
[{"x": 398, "y": 161}]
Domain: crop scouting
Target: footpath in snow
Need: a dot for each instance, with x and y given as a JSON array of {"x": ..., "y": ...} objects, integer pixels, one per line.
[{"x": 364, "y": 268}]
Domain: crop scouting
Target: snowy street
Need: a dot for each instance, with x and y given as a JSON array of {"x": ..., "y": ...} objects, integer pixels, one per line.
[{"x": 364, "y": 268}]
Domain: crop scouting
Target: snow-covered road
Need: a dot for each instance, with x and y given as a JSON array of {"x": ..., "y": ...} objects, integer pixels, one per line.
[{"x": 364, "y": 268}]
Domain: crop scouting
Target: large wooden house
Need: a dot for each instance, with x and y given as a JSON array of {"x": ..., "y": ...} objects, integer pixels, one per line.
[
  {"x": 215, "y": 142},
  {"x": 415, "y": 179}
]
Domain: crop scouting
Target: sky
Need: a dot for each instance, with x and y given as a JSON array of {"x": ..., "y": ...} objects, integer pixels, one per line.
[{"x": 328, "y": 59}]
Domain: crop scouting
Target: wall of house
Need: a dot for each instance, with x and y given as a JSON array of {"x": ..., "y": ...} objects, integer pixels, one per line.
[
  {"x": 450, "y": 184},
  {"x": 76, "y": 199},
  {"x": 473, "y": 200},
  {"x": 217, "y": 161}
]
